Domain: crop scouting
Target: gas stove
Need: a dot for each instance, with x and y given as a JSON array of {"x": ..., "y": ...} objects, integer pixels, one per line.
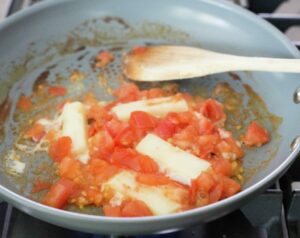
[{"x": 273, "y": 214}]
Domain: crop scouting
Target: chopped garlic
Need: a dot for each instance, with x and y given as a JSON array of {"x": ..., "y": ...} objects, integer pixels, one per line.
[
  {"x": 176, "y": 163},
  {"x": 158, "y": 107}
]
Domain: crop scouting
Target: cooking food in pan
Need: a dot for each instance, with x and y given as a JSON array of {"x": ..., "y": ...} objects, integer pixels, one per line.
[{"x": 148, "y": 152}]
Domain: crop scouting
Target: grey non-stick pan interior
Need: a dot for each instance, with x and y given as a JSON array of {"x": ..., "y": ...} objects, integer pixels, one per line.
[{"x": 47, "y": 42}]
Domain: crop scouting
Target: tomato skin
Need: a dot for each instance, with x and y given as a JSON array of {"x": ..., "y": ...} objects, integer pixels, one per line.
[
  {"x": 125, "y": 137},
  {"x": 36, "y": 133},
  {"x": 103, "y": 59},
  {"x": 221, "y": 166},
  {"x": 114, "y": 126},
  {"x": 69, "y": 168},
  {"x": 112, "y": 211},
  {"x": 135, "y": 208},
  {"x": 40, "y": 185},
  {"x": 140, "y": 123},
  {"x": 130, "y": 159},
  {"x": 213, "y": 110},
  {"x": 60, "y": 148},
  {"x": 230, "y": 187},
  {"x": 142, "y": 120},
  {"x": 57, "y": 91},
  {"x": 165, "y": 129},
  {"x": 101, "y": 145},
  {"x": 256, "y": 135},
  {"x": 24, "y": 103},
  {"x": 127, "y": 92},
  {"x": 59, "y": 193}
]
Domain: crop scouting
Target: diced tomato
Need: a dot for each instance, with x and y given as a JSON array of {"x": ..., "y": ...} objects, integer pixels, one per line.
[
  {"x": 230, "y": 146},
  {"x": 125, "y": 137},
  {"x": 135, "y": 208},
  {"x": 230, "y": 187},
  {"x": 114, "y": 126},
  {"x": 36, "y": 133},
  {"x": 112, "y": 211},
  {"x": 185, "y": 138},
  {"x": 107, "y": 172},
  {"x": 221, "y": 166},
  {"x": 60, "y": 148},
  {"x": 57, "y": 91},
  {"x": 205, "y": 182},
  {"x": 127, "y": 92},
  {"x": 40, "y": 185},
  {"x": 165, "y": 129},
  {"x": 94, "y": 196},
  {"x": 130, "y": 159},
  {"x": 59, "y": 193},
  {"x": 216, "y": 193},
  {"x": 193, "y": 192},
  {"x": 103, "y": 59},
  {"x": 206, "y": 126},
  {"x": 256, "y": 135},
  {"x": 142, "y": 120},
  {"x": 69, "y": 167},
  {"x": 139, "y": 50},
  {"x": 153, "y": 179},
  {"x": 141, "y": 123},
  {"x": 101, "y": 145},
  {"x": 206, "y": 144},
  {"x": 213, "y": 110},
  {"x": 24, "y": 103},
  {"x": 153, "y": 93}
]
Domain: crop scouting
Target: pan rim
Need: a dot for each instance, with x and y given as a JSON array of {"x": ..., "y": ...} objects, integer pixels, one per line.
[{"x": 26, "y": 202}]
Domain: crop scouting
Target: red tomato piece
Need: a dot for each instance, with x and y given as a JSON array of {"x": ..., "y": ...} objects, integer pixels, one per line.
[
  {"x": 165, "y": 129},
  {"x": 153, "y": 179},
  {"x": 112, "y": 211},
  {"x": 24, "y": 103},
  {"x": 57, "y": 91},
  {"x": 256, "y": 135},
  {"x": 125, "y": 137},
  {"x": 206, "y": 126},
  {"x": 60, "y": 148},
  {"x": 216, "y": 193},
  {"x": 206, "y": 144},
  {"x": 142, "y": 120},
  {"x": 103, "y": 59},
  {"x": 40, "y": 185},
  {"x": 230, "y": 187},
  {"x": 127, "y": 92},
  {"x": 101, "y": 145},
  {"x": 139, "y": 50},
  {"x": 185, "y": 138},
  {"x": 205, "y": 182},
  {"x": 69, "y": 168},
  {"x": 36, "y": 133},
  {"x": 213, "y": 110},
  {"x": 107, "y": 172},
  {"x": 129, "y": 158},
  {"x": 114, "y": 126},
  {"x": 59, "y": 193},
  {"x": 221, "y": 166},
  {"x": 135, "y": 208}
]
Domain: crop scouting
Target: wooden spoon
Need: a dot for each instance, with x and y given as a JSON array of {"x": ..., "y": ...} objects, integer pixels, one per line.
[{"x": 162, "y": 63}]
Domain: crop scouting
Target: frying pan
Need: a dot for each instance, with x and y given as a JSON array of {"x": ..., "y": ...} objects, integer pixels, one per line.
[{"x": 44, "y": 43}]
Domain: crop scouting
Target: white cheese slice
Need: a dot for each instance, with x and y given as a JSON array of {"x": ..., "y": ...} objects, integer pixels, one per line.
[
  {"x": 176, "y": 163},
  {"x": 74, "y": 125},
  {"x": 125, "y": 186},
  {"x": 158, "y": 107}
]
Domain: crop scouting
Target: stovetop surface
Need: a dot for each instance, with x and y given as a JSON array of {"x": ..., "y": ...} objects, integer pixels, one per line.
[{"x": 273, "y": 214}]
